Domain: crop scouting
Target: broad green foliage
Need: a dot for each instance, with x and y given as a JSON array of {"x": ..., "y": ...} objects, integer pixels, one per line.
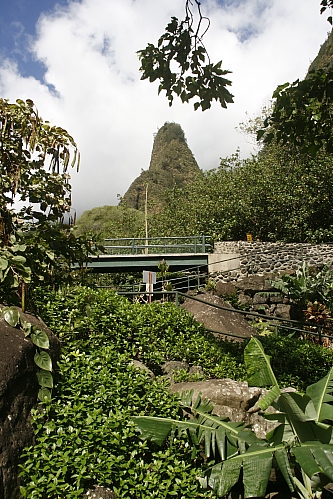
[
  {"x": 34, "y": 162},
  {"x": 275, "y": 196},
  {"x": 302, "y": 434},
  {"x": 85, "y": 435},
  {"x": 301, "y": 114},
  {"x": 197, "y": 77},
  {"x": 308, "y": 285},
  {"x": 152, "y": 333},
  {"x": 156, "y": 333}
]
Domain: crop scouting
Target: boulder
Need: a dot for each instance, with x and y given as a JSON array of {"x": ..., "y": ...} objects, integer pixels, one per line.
[
  {"x": 18, "y": 395},
  {"x": 233, "y": 399},
  {"x": 220, "y": 321},
  {"x": 139, "y": 365},
  {"x": 255, "y": 283},
  {"x": 225, "y": 288},
  {"x": 282, "y": 311}
]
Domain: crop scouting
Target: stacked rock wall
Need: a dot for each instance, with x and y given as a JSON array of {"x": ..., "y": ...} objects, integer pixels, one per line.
[{"x": 262, "y": 258}]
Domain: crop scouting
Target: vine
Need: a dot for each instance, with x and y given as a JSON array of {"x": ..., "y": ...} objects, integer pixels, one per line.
[{"x": 41, "y": 341}]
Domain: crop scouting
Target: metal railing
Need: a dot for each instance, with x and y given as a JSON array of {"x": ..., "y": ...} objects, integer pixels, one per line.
[
  {"x": 157, "y": 245},
  {"x": 276, "y": 322}
]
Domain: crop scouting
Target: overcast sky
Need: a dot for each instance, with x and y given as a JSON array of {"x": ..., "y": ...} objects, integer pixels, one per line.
[{"x": 77, "y": 61}]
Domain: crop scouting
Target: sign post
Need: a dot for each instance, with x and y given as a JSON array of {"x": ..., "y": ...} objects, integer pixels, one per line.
[{"x": 149, "y": 278}]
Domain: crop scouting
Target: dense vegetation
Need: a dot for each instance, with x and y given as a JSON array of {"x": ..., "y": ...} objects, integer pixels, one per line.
[
  {"x": 275, "y": 196},
  {"x": 85, "y": 435},
  {"x": 111, "y": 221},
  {"x": 35, "y": 196}
]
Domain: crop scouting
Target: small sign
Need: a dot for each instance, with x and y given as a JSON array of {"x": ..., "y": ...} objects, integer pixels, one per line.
[
  {"x": 149, "y": 277},
  {"x": 249, "y": 238}
]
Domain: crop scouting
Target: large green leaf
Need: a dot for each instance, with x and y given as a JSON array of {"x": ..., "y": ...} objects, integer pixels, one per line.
[
  {"x": 306, "y": 460},
  {"x": 154, "y": 428},
  {"x": 256, "y": 463},
  {"x": 45, "y": 378},
  {"x": 3, "y": 263},
  {"x": 293, "y": 405},
  {"x": 218, "y": 434},
  {"x": 44, "y": 393},
  {"x": 269, "y": 398},
  {"x": 282, "y": 460},
  {"x": 254, "y": 467},
  {"x": 40, "y": 338},
  {"x": 259, "y": 370},
  {"x": 324, "y": 457},
  {"x": 11, "y": 315},
  {"x": 321, "y": 396},
  {"x": 226, "y": 479},
  {"x": 43, "y": 360}
]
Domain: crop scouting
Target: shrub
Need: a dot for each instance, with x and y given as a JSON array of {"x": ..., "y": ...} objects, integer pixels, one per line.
[{"x": 85, "y": 436}]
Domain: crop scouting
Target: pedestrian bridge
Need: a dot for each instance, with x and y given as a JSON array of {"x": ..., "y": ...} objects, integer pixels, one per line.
[
  {"x": 180, "y": 253},
  {"x": 138, "y": 254}
]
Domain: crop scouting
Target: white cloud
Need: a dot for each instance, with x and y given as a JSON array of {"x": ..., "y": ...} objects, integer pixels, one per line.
[{"x": 92, "y": 84}]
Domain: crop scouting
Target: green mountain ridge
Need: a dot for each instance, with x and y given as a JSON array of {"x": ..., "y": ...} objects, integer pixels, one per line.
[
  {"x": 172, "y": 164},
  {"x": 324, "y": 59}
]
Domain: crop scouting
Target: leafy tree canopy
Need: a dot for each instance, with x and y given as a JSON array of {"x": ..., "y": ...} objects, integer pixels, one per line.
[
  {"x": 35, "y": 195},
  {"x": 111, "y": 221},
  {"x": 302, "y": 110},
  {"x": 197, "y": 77},
  {"x": 302, "y": 114},
  {"x": 275, "y": 196},
  {"x": 325, "y": 4}
]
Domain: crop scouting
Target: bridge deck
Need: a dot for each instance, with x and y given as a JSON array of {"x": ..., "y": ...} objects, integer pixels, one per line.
[{"x": 137, "y": 263}]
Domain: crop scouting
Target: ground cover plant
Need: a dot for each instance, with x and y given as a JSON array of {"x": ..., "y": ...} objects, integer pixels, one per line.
[{"x": 85, "y": 435}]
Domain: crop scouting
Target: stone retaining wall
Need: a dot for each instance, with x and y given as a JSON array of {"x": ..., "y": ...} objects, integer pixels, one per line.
[{"x": 263, "y": 258}]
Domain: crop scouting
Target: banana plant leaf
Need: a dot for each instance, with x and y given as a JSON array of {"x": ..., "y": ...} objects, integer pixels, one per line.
[
  {"x": 218, "y": 435},
  {"x": 314, "y": 458},
  {"x": 256, "y": 464},
  {"x": 321, "y": 394},
  {"x": 295, "y": 424},
  {"x": 260, "y": 372},
  {"x": 300, "y": 432}
]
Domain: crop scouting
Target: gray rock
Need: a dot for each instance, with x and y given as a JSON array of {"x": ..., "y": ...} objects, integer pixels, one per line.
[
  {"x": 218, "y": 320},
  {"x": 254, "y": 283},
  {"x": 259, "y": 299},
  {"x": 276, "y": 299},
  {"x": 168, "y": 368},
  {"x": 225, "y": 288},
  {"x": 196, "y": 370},
  {"x": 245, "y": 299},
  {"x": 139, "y": 365},
  {"x": 233, "y": 399},
  {"x": 282, "y": 311}
]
